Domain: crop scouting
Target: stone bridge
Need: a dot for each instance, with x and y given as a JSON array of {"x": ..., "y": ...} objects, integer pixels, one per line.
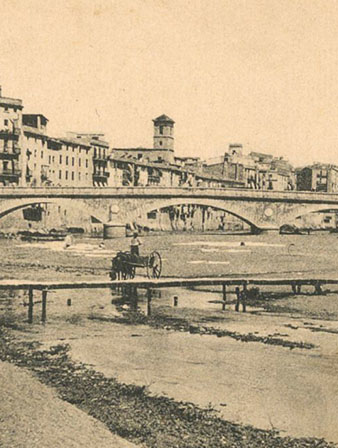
[{"x": 263, "y": 210}]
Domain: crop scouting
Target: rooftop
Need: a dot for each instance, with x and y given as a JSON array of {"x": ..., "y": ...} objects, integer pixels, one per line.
[
  {"x": 90, "y": 138},
  {"x": 163, "y": 119},
  {"x": 33, "y": 130},
  {"x": 14, "y": 102}
]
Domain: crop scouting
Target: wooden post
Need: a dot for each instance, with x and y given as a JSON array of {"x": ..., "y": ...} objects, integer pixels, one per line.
[
  {"x": 44, "y": 306},
  {"x": 30, "y": 306},
  {"x": 293, "y": 286},
  {"x": 224, "y": 291},
  {"x": 148, "y": 302},
  {"x": 318, "y": 288},
  {"x": 238, "y": 295},
  {"x": 244, "y": 296}
]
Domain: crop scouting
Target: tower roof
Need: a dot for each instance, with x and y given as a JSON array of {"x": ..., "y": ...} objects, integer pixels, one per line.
[{"x": 163, "y": 119}]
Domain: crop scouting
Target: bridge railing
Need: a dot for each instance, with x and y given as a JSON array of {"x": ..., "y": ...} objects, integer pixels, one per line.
[{"x": 160, "y": 191}]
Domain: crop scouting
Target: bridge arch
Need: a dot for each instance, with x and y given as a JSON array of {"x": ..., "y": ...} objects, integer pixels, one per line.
[
  {"x": 233, "y": 209},
  {"x": 303, "y": 210},
  {"x": 13, "y": 205},
  {"x": 18, "y": 205}
]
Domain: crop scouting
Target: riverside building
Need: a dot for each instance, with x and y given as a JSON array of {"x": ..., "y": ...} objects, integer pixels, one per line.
[{"x": 10, "y": 140}]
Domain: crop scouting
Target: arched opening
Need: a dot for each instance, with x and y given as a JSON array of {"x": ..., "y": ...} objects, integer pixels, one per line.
[
  {"x": 319, "y": 218},
  {"x": 48, "y": 215},
  {"x": 191, "y": 216}
]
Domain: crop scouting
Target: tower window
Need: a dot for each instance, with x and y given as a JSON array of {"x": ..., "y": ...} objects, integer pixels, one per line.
[
  {"x": 161, "y": 130},
  {"x": 160, "y": 142}
]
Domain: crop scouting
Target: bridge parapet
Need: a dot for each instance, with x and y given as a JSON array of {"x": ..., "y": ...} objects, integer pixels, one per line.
[
  {"x": 162, "y": 192},
  {"x": 263, "y": 210}
]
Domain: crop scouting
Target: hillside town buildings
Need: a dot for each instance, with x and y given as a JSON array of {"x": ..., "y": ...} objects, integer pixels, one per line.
[
  {"x": 256, "y": 170},
  {"x": 30, "y": 156},
  {"x": 318, "y": 177},
  {"x": 10, "y": 140}
]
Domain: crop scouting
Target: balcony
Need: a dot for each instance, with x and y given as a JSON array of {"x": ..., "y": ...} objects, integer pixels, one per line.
[
  {"x": 100, "y": 158},
  {"x": 12, "y": 154},
  {"x": 101, "y": 177},
  {"x": 8, "y": 175},
  {"x": 154, "y": 180},
  {"x": 10, "y": 134}
]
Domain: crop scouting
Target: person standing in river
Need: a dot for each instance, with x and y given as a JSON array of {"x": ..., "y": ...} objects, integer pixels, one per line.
[{"x": 135, "y": 244}]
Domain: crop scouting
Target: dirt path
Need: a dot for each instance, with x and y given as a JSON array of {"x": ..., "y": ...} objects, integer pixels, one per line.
[{"x": 31, "y": 415}]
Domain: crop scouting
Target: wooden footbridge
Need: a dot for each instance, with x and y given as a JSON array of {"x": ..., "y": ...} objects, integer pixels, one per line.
[{"x": 132, "y": 285}]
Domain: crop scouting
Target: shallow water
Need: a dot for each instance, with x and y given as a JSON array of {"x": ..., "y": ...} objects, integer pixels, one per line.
[
  {"x": 251, "y": 383},
  {"x": 266, "y": 386}
]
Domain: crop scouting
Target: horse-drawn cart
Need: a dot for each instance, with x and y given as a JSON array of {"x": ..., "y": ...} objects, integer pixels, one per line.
[{"x": 124, "y": 265}]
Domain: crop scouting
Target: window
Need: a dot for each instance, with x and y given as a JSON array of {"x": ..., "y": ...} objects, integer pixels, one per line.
[
  {"x": 66, "y": 160},
  {"x": 60, "y": 176},
  {"x": 161, "y": 130},
  {"x": 160, "y": 142},
  {"x": 152, "y": 215},
  {"x": 72, "y": 175},
  {"x": 35, "y": 152},
  {"x": 41, "y": 154},
  {"x": 79, "y": 176},
  {"x": 6, "y": 122},
  {"x": 6, "y": 109},
  {"x": 79, "y": 162},
  {"x": 66, "y": 176},
  {"x": 86, "y": 163},
  {"x": 60, "y": 158},
  {"x": 73, "y": 161}
]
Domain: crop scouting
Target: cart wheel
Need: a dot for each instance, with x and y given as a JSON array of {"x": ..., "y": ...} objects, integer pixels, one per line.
[{"x": 154, "y": 265}]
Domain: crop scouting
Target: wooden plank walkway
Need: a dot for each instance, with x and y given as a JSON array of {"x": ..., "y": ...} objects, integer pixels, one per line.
[
  {"x": 296, "y": 282},
  {"x": 145, "y": 283}
]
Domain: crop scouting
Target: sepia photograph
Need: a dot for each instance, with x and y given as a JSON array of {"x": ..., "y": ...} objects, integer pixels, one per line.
[{"x": 169, "y": 223}]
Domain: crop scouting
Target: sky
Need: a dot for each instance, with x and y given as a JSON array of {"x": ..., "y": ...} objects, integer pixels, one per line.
[{"x": 263, "y": 73}]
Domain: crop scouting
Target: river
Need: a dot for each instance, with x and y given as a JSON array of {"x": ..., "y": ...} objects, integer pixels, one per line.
[{"x": 253, "y": 383}]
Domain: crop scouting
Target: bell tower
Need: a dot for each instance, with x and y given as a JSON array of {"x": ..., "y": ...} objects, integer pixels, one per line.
[{"x": 164, "y": 133}]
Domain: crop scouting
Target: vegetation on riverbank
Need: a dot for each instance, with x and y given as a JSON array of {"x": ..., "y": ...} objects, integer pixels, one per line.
[
  {"x": 131, "y": 411},
  {"x": 167, "y": 322}
]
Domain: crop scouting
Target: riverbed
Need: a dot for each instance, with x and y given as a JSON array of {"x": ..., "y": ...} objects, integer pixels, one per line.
[{"x": 272, "y": 387}]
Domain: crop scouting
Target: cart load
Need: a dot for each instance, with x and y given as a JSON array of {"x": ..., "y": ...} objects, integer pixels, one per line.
[{"x": 124, "y": 265}]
